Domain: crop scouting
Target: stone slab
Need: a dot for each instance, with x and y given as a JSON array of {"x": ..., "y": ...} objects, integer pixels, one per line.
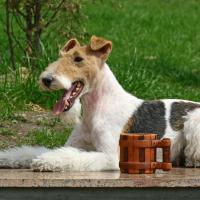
[{"x": 24, "y": 178}]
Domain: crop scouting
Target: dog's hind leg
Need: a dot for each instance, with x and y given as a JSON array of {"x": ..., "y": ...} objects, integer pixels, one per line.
[
  {"x": 20, "y": 157},
  {"x": 192, "y": 137}
]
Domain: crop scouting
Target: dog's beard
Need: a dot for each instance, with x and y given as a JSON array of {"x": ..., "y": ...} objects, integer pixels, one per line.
[{"x": 73, "y": 116}]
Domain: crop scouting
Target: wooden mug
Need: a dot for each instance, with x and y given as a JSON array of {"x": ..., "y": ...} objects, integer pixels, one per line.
[{"x": 138, "y": 153}]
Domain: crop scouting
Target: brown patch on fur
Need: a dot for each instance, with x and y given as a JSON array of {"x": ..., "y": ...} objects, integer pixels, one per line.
[
  {"x": 85, "y": 70},
  {"x": 101, "y": 46},
  {"x": 69, "y": 45},
  {"x": 127, "y": 127},
  {"x": 178, "y": 111}
]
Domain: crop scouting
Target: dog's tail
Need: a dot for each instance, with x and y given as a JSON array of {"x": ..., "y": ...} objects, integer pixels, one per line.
[{"x": 20, "y": 157}]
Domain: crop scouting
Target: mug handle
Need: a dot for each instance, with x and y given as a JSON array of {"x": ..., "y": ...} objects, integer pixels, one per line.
[{"x": 164, "y": 144}]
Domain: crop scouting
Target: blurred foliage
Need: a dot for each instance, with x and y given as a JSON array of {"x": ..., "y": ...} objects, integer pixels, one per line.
[{"x": 28, "y": 24}]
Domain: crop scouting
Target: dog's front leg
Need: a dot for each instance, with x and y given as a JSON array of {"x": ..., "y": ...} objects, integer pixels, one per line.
[
  {"x": 72, "y": 159},
  {"x": 75, "y": 156}
]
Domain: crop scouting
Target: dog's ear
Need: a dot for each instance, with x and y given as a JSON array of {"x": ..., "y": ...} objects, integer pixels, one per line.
[
  {"x": 69, "y": 45},
  {"x": 101, "y": 46}
]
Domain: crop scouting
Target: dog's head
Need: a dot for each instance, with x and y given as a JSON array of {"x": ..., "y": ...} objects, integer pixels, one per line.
[{"x": 76, "y": 71}]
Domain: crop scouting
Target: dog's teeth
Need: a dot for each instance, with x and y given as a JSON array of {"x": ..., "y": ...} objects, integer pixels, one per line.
[
  {"x": 74, "y": 93},
  {"x": 66, "y": 103},
  {"x": 77, "y": 89}
]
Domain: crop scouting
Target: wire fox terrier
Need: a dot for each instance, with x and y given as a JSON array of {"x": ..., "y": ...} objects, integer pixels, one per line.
[{"x": 107, "y": 111}]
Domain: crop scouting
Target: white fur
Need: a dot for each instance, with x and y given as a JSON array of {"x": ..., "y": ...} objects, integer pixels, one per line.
[
  {"x": 62, "y": 82},
  {"x": 192, "y": 137},
  {"x": 20, "y": 157},
  {"x": 72, "y": 116}
]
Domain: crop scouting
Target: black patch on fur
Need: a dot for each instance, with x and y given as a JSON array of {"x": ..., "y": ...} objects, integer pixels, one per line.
[
  {"x": 178, "y": 111},
  {"x": 149, "y": 118}
]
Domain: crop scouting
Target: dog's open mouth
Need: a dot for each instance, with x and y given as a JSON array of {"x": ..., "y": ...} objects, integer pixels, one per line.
[{"x": 68, "y": 98}]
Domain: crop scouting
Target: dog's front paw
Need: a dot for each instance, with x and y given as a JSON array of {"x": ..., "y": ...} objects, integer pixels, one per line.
[
  {"x": 57, "y": 160},
  {"x": 62, "y": 159},
  {"x": 40, "y": 165},
  {"x": 45, "y": 165}
]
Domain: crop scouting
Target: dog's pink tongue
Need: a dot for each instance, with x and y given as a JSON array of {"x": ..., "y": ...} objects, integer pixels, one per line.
[{"x": 59, "y": 106}]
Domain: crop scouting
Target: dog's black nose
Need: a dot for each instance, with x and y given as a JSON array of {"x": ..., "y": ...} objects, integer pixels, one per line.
[{"x": 47, "y": 80}]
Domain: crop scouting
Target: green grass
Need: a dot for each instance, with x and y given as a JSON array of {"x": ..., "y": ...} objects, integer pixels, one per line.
[
  {"x": 46, "y": 137},
  {"x": 156, "y": 51},
  {"x": 168, "y": 31},
  {"x": 6, "y": 132}
]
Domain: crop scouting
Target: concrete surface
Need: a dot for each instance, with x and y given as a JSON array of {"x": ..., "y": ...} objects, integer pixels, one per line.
[{"x": 23, "y": 178}]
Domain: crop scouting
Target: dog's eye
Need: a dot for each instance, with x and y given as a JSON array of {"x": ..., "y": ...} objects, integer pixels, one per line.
[{"x": 78, "y": 59}]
